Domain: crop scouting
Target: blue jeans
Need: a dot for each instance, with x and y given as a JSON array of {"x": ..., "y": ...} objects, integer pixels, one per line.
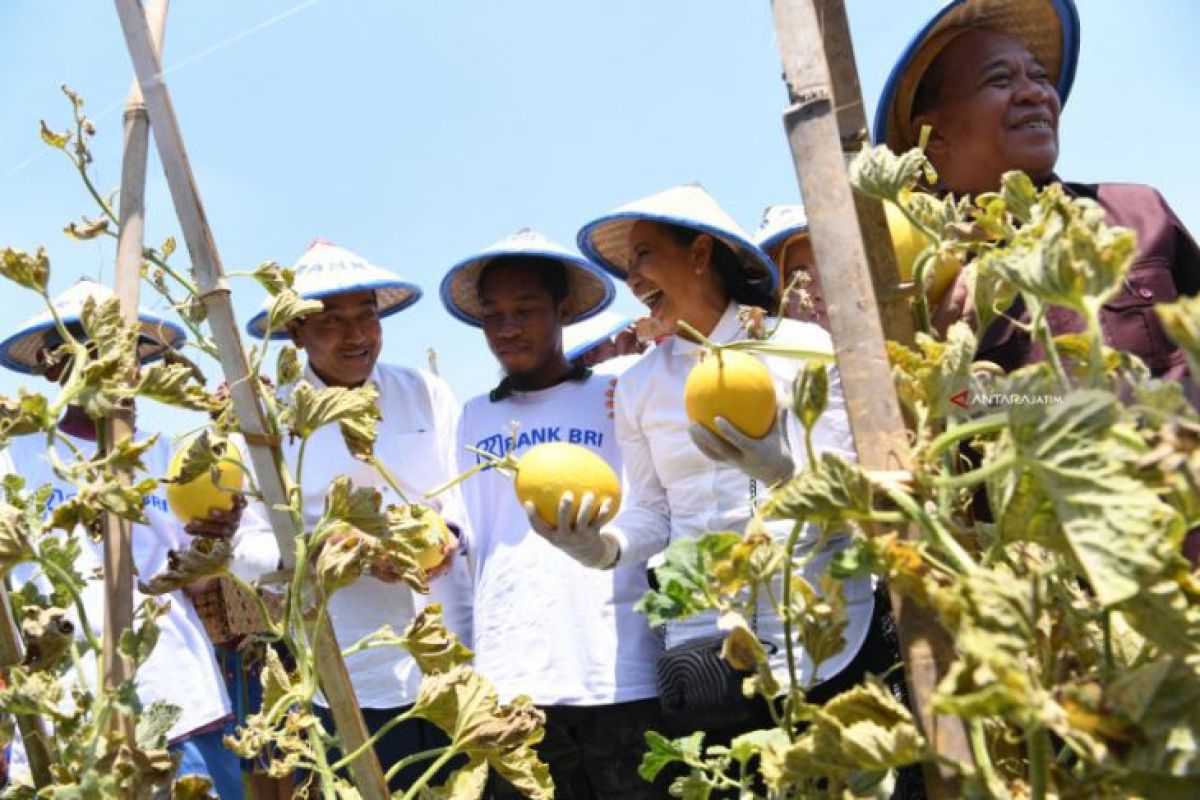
[{"x": 206, "y": 755}]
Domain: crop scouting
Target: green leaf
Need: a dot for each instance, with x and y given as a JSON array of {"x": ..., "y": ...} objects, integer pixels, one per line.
[
  {"x": 683, "y": 586},
  {"x": 28, "y": 271},
  {"x": 174, "y": 385},
  {"x": 154, "y": 722},
  {"x": 810, "y": 394},
  {"x": 880, "y": 173},
  {"x": 312, "y": 409},
  {"x": 47, "y": 633},
  {"x": 274, "y": 278},
  {"x": 29, "y": 413},
  {"x": 356, "y": 506},
  {"x": 663, "y": 752},
  {"x": 287, "y": 306},
  {"x": 87, "y": 229},
  {"x": 1181, "y": 321},
  {"x": 835, "y": 490},
  {"x": 345, "y": 554},
  {"x": 463, "y": 704},
  {"x": 205, "y": 557},
  {"x": 15, "y": 545},
  {"x": 287, "y": 366},
  {"x": 432, "y": 645},
  {"x": 56, "y": 140}
]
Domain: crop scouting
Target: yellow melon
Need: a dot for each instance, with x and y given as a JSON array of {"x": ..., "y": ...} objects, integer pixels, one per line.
[
  {"x": 908, "y": 241},
  {"x": 549, "y": 470},
  {"x": 733, "y": 385},
  {"x": 201, "y": 496},
  {"x": 431, "y": 557}
]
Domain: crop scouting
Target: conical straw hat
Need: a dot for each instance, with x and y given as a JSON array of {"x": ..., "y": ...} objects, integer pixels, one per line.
[
  {"x": 326, "y": 270},
  {"x": 605, "y": 240},
  {"x": 583, "y": 336},
  {"x": 590, "y": 289},
  {"x": 1049, "y": 28},
  {"x": 19, "y": 351}
]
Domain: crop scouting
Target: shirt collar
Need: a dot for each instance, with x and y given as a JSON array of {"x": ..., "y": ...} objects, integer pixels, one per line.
[
  {"x": 728, "y": 329},
  {"x": 312, "y": 377}
]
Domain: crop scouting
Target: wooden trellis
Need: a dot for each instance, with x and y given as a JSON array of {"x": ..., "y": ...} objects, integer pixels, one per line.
[
  {"x": 264, "y": 451},
  {"x": 866, "y": 304}
]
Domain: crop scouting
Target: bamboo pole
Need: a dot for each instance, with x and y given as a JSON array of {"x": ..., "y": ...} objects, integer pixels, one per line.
[
  {"x": 33, "y": 730},
  {"x": 263, "y": 443},
  {"x": 849, "y": 280},
  {"x": 118, "y": 532}
]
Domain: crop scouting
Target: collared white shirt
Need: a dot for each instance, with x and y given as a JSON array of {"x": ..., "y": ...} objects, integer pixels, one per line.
[
  {"x": 181, "y": 670},
  {"x": 416, "y": 436},
  {"x": 674, "y": 491}
]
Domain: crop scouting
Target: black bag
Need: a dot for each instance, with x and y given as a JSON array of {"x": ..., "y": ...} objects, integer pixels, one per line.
[{"x": 699, "y": 690}]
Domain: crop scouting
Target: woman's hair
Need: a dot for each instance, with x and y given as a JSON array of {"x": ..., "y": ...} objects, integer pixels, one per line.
[
  {"x": 551, "y": 273},
  {"x": 740, "y": 284}
]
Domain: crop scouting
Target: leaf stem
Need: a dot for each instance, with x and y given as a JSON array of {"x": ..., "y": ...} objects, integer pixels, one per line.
[{"x": 429, "y": 774}]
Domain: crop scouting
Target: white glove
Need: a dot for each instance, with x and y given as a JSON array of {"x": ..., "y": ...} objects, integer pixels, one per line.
[
  {"x": 767, "y": 459},
  {"x": 578, "y": 531}
]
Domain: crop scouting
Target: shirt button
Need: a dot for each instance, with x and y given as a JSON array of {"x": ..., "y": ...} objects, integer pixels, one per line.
[{"x": 1145, "y": 293}]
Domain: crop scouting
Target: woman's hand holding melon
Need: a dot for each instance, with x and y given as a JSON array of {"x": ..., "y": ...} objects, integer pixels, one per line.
[{"x": 767, "y": 459}]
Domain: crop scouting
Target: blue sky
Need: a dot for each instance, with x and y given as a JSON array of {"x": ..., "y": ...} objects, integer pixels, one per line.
[{"x": 417, "y": 133}]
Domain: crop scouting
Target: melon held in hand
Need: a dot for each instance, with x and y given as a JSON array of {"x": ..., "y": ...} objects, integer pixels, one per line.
[
  {"x": 733, "y": 385},
  {"x": 549, "y": 470},
  {"x": 200, "y": 496}
]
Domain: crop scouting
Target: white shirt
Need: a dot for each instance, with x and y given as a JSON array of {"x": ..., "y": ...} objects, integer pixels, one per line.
[
  {"x": 545, "y": 625},
  {"x": 673, "y": 491},
  {"x": 182, "y": 669},
  {"x": 415, "y": 442}
]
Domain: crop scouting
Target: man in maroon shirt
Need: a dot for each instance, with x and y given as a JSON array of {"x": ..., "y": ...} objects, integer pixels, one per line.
[{"x": 990, "y": 77}]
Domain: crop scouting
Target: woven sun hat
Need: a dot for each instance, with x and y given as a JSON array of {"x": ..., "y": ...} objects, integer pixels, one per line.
[
  {"x": 589, "y": 289},
  {"x": 326, "y": 270},
  {"x": 1049, "y": 28},
  {"x": 605, "y": 240},
  {"x": 780, "y": 223},
  {"x": 19, "y": 351},
  {"x": 583, "y": 336}
]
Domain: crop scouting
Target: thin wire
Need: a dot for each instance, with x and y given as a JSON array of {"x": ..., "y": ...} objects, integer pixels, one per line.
[{"x": 185, "y": 63}]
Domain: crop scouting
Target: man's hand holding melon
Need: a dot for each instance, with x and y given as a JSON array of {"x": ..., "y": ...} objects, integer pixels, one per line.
[{"x": 570, "y": 493}]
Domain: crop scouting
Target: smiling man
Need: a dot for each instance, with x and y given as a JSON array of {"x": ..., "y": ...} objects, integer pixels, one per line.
[
  {"x": 545, "y": 625},
  {"x": 990, "y": 78},
  {"x": 415, "y": 444}
]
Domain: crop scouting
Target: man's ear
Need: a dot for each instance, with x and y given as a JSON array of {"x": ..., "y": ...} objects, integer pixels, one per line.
[
  {"x": 700, "y": 252},
  {"x": 293, "y": 332},
  {"x": 566, "y": 310}
]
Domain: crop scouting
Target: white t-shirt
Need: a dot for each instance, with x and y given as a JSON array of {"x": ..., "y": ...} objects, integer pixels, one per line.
[
  {"x": 674, "y": 491},
  {"x": 545, "y": 625},
  {"x": 181, "y": 669},
  {"x": 415, "y": 443}
]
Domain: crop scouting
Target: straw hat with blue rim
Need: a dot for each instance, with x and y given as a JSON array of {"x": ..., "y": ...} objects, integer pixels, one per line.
[
  {"x": 590, "y": 290},
  {"x": 1049, "y": 28},
  {"x": 583, "y": 336},
  {"x": 326, "y": 270},
  {"x": 19, "y": 352},
  {"x": 779, "y": 227},
  {"x": 605, "y": 240}
]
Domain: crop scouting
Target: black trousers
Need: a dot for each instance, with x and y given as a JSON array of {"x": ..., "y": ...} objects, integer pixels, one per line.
[{"x": 594, "y": 751}]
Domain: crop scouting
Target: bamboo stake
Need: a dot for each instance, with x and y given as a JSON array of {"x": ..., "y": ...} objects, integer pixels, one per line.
[
  {"x": 118, "y": 532},
  {"x": 263, "y": 443},
  {"x": 32, "y": 728},
  {"x": 854, "y": 315}
]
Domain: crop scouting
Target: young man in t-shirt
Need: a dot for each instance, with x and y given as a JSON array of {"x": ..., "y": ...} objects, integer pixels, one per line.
[{"x": 544, "y": 625}]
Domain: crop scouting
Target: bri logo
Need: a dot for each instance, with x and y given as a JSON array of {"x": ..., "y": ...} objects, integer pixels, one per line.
[
  {"x": 500, "y": 444},
  {"x": 57, "y": 496}
]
